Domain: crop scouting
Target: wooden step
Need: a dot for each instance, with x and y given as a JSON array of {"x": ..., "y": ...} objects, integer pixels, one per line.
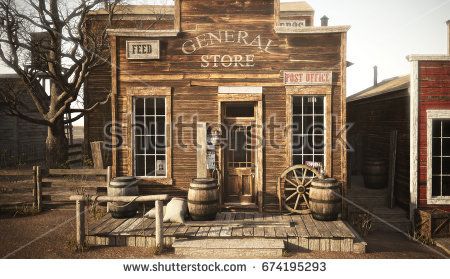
[{"x": 229, "y": 248}]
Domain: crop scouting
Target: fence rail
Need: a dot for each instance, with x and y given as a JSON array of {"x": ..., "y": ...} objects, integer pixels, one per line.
[{"x": 52, "y": 186}]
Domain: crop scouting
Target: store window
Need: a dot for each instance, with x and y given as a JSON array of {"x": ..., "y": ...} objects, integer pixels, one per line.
[
  {"x": 440, "y": 163},
  {"x": 308, "y": 131},
  {"x": 149, "y": 137}
]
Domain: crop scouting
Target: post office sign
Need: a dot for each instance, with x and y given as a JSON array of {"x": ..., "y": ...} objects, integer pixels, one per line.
[
  {"x": 142, "y": 50},
  {"x": 308, "y": 78}
]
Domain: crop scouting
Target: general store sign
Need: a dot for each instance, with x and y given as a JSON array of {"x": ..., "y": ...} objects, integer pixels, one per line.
[
  {"x": 141, "y": 50},
  {"x": 228, "y": 39},
  {"x": 308, "y": 78}
]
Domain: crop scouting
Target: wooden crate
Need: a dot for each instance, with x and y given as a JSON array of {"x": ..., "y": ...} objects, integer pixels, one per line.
[{"x": 432, "y": 223}]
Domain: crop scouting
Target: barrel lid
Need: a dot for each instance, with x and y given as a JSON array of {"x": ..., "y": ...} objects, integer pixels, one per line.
[
  {"x": 124, "y": 179},
  {"x": 324, "y": 181},
  {"x": 203, "y": 180}
]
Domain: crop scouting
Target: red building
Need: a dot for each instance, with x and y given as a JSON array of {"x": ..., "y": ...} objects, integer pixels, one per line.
[{"x": 417, "y": 108}]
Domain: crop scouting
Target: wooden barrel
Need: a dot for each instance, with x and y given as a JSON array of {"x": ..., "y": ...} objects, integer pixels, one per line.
[
  {"x": 123, "y": 186},
  {"x": 325, "y": 199},
  {"x": 203, "y": 199},
  {"x": 375, "y": 174}
]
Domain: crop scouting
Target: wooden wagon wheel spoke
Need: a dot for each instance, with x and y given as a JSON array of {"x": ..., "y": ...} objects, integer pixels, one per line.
[
  {"x": 308, "y": 183},
  {"x": 290, "y": 189},
  {"x": 296, "y": 202},
  {"x": 290, "y": 182},
  {"x": 306, "y": 201},
  {"x": 296, "y": 178},
  {"x": 291, "y": 196}
]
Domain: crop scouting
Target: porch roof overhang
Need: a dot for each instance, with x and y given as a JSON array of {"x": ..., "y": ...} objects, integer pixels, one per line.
[
  {"x": 312, "y": 29},
  {"x": 121, "y": 32}
]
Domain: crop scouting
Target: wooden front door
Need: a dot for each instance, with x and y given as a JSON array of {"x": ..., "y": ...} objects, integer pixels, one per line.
[{"x": 240, "y": 162}]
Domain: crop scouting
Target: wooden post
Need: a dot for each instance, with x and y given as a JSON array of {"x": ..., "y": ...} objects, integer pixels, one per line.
[
  {"x": 38, "y": 188},
  {"x": 159, "y": 224},
  {"x": 35, "y": 198},
  {"x": 108, "y": 175},
  {"x": 80, "y": 222},
  {"x": 392, "y": 163},
  {"x": 202, "y": 147},
  {"x": 97, "y": 154}
]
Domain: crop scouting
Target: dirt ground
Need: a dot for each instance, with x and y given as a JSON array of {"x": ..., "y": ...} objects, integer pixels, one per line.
[{"x": 51, "y": 234}]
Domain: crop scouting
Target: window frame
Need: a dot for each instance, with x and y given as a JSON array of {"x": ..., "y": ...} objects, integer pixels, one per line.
[
  {"x": 310, "y": 91},
  {"x": 151, "y": 92},
  {"x": 434, "y": 115}
]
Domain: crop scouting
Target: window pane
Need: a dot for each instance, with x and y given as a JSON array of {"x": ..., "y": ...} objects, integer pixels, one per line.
[
  {"x": 150, "y": 125},
  {"x": 319, "y": 144},
  {"x": 307, "y": 159},
  {"x": 150, "y": 170},
  {"x": 297, "y": 144},
  {"x": 308, "y": 145},
  {"x": 240, "y": 110},
  {"x": 151, "y": 149},
  {"x": 140, "y": 144},
  {"x": 140, "y": 165},
  {"x": 297, "y": 105},
  {"x": 446, "y": 186},
  {"x": 308, "y": 104},
  {"x": 160, "y": 125},
  {"x": 436, "y": 164},
  {"x": 436, "y": 128},
  {"x": 318, "y": 159},
  {"x": 436, "y": 184},
  {"x": 160, "y": 106},
  {"x": 297, "y": 160},
  {"x": 436, "y": 148},
  {"x": 446, "y": 165},
  {"x": 160, "y": 166},
  {"x": 446, "y": 128},
  {"x": 446, "y": 147},
  {"x": 297, "y": 125},
  {"x": 318, "y": 108},
  {"x": 139, "y": 106},
  {"x": 150, "y": 106},
  {"x": 307, "y": 125},
  {"x": 139, "y": 126},
  {"x": 160, "y": 145},
  {"x": 319, "y": 127}
]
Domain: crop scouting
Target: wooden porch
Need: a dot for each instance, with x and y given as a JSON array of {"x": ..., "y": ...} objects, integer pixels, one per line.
[{"x": 297, "y": 232}]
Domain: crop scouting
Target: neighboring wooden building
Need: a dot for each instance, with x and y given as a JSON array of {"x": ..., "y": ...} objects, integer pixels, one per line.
[
  {"x": 21, "y": 142},
  {"x": 374, "y": 114},
  {"x": 238, "y": 67},
  {"x": 418, "y": 107}
]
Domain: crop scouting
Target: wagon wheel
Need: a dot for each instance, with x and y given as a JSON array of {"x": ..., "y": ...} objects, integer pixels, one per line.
[{"x": 297, "y": 180}]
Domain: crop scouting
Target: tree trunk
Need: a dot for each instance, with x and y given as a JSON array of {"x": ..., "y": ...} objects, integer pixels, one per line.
[{"x": 56, "y": 145}]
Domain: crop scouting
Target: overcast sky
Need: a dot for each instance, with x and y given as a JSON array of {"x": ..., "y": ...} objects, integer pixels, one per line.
[{"x": 383, "y": 33}]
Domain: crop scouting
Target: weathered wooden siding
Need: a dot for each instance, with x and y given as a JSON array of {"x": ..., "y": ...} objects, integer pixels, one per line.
[
  {"x": 194, "y": 89},
  {"x": 434, "y": 93},
  {"x": 20, "y": 140},
  {"x": 374, "y": 119}
]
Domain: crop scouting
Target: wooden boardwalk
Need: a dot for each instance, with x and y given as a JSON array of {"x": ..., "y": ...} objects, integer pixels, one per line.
[{"x": 300, "y": 232}]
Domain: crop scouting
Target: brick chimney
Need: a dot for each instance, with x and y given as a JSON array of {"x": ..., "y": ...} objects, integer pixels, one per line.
[{"x": 324, "y": 21}]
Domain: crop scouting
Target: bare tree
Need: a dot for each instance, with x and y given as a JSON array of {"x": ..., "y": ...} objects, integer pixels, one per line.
[{"x": 67, "y": 53}]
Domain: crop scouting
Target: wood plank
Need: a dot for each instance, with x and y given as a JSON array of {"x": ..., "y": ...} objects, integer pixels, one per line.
[
  {"x": 203, "y": 231},
  {"x": 120, "y": 229},
  {"x": 107, "y": 219},
  {"x": 291, "y": 231},
  {"x": 171, "y": 229},
  {"x": 300, "y": 226},
  {"x": 238, "y": 231},
  {"x": 322, "y": 228},
  {"x": 225, "y": 230},
  {"x": 145, "y": 228},
  {"x": 135, "y": 228},
  {"x": 80, "y": 172},
  {"x": 279, "y": 231},
  {"x": 258, "y": 231},
  {"x": 346, "y": 232},
  {"x": 310, "y": 226},
  {"x": 214, "y": 231},
  {"x": 105, "y": 231},
  {"x": 249, "y": 230},
  {"x": 269, "y": 231},
  {"x": 333, "y": 229},
  {"x": 192, "y": 231},
  {"x": 181, "y": 231}
]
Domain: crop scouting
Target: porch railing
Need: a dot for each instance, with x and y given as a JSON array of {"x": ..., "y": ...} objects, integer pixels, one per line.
[{"x": 81, "y": 220}]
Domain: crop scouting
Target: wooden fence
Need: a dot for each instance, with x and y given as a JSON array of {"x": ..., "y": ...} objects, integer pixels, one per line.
[{"x": 49, "y": 187}]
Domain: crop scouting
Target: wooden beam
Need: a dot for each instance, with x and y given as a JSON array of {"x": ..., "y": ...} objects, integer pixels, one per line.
[
  {"x": 413, "y": 138},
  {"x": 38, "y": 188},
  {"x": 202, "y": 147},
  {"x": 120, "y": 198},
  {"x": 177, "y": 15},
  {"x": 80, "y": 223},
  {"x": 159, "y": 224},
  {"x": 392, "y": 164},
  {"x": 77, "y": 171}
]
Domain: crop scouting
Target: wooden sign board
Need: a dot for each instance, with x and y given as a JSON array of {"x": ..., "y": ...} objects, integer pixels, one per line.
[
  {"x": 142, "y": 50},
  {"x": 308, "y": 78}
]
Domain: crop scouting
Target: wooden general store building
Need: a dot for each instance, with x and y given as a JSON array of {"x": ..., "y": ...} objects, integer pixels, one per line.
[{"x": 257, "y": 72}]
